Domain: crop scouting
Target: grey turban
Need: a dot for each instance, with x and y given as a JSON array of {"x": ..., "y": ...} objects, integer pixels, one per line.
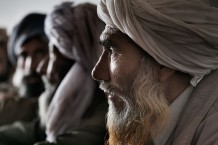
[
  {"x": 179, "y": 34},
  {"x": 75, "y": 31}
]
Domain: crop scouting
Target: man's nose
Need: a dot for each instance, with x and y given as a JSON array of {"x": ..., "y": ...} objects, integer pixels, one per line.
[
  {"x": 101, "y": 70},
  {"x": 42, "y": 67}
]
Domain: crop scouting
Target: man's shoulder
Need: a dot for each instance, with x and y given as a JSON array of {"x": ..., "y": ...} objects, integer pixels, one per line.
[
  {"x": 14, "y": 109},
  {"x": 207, "y": 131}
]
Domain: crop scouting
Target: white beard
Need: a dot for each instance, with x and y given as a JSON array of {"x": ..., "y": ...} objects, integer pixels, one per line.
[{"x": 144, "y": 111}]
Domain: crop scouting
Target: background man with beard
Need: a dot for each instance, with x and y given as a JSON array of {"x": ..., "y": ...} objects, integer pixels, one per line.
[
  {"x": 52, "y": 68},
  {"x": 159, "y": 71},
  {"x": 28, "y": 44},
  {"x": 75, "y": 112}
]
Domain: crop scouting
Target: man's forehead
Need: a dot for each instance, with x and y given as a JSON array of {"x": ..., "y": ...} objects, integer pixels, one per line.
[{"x": 110, "y": 33}]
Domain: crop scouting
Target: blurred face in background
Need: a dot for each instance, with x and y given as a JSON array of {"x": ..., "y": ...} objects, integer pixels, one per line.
[
  {"x": 53, "y": 69},
  {"x": 55, "y": 66},
  {"x": 26, "y": 78}
]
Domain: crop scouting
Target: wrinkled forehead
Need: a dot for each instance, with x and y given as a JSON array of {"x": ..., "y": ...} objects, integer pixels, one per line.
[
  {"x": 114, "y": 37},
  {"x": 110, "y": 33},
  {"x": 114, "y": 34}
]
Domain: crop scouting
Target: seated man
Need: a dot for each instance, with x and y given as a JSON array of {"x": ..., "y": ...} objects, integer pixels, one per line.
[
  {"x": 84, "y": 117},
  {"x": 76, "y": 113},
  {"x": 159, "y": 71},
  {"x": 28, "y": 44}
]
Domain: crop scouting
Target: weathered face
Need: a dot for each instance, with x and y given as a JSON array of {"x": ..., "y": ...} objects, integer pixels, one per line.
[
  {"x": 26, "y": 78},
  {"x": 118, "y": 62},
  {"x": 129, "y": 76}
]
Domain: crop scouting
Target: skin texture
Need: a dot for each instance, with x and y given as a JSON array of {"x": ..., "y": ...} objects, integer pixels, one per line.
[
  {"x": 139, "y": 89},
  {"x": 118, "y": 60}
]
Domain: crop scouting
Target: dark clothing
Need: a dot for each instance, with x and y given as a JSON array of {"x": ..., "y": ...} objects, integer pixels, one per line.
[
  {"x": 21, "y": 133},
  {"x": 17, "y": 109},
  {"x": 91, "y": 131}
]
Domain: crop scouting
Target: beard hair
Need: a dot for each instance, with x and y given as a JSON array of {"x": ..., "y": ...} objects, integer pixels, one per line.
[
  {"x": 145, "y": 110},
  {"x": 20, "y": 81}
]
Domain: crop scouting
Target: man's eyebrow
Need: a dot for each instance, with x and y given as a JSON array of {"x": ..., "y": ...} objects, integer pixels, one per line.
[{"x": 105, "y": 43}]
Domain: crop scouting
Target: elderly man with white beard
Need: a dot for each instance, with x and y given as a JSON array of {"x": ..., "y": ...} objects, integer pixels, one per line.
[{"x": 159, "y": 71}]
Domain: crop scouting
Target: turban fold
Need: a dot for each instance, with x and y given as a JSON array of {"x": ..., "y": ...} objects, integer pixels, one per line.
[
  {"x": 75, "y": 31},
  {"x": 179, "y": 34},
  {"x": 31, "y": 26}
]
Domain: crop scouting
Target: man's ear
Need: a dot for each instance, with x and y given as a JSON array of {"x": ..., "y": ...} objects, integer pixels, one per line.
[{"x": 165, "y": 73}]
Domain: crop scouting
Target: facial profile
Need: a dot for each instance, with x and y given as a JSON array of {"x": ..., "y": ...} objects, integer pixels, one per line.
[
  {"x": 137, "y": 104},
  {"x": 52, "y": 69},
  {"x": 58, "y": 65}
]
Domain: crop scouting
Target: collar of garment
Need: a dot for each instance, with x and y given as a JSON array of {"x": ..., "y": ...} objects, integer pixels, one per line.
[{"x": 175, "y": 110}]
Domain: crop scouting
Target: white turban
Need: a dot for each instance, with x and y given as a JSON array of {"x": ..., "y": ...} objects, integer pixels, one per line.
[{"x": 179, "y": 34}]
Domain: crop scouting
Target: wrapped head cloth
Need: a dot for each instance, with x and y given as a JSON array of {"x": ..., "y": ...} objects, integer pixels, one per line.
[
  {"x": 179, "y": 34},
  {"x": 75, "y": 31},
  {"x": 31, "y": 26}
]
